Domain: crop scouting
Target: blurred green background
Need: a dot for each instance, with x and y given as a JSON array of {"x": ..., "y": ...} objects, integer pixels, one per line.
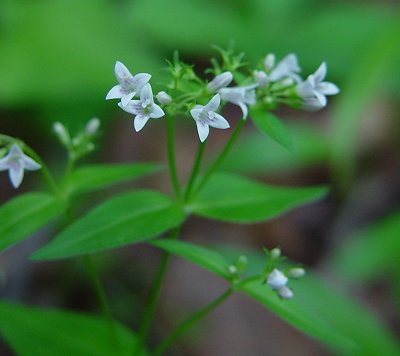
[{"x": 56, "y": 64}]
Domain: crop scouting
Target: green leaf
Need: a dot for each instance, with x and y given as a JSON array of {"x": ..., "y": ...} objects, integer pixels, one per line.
[
  {"x": 100, "y": 176},
  {"x": 35, "y": 331},
  {"x": 370, "y": 252},
  {"x": 25, "y": 214},
  {"x": 124, "y": 219},
  {"x": 318, "y": 308},
  {"x": 205, "y": 258},
  {"x": 233, "y": 198},
  {"x": 273, "y": 127}
]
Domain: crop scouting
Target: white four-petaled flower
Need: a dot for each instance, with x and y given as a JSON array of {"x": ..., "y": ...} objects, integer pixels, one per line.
[
  {"x": 128, "y": 86},
  {"x": 241, "y": 96},
  {"x": 314, "y": 90},
  {"x": 144, "y": 109},
  {"x": 205, "y": 116},
  {"x": 288, "y": 67},
  {"x": 16, "y": 162},
  {"x": 277, "y": 279}
]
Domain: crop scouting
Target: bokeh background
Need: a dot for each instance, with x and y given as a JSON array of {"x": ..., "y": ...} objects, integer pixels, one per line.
[{"x": 56, "y": 64}]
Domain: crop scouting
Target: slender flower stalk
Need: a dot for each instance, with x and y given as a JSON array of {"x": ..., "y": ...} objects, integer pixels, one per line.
[
  {"x": 195, "y": 171},
  {"x": 195, "y": 318},
  {"x": 171, "y": 156}
]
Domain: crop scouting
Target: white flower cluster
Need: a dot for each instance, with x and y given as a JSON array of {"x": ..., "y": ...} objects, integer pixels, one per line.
[
  {"x": 130, "y": 86},
  {"x": 268, "y": 84}
]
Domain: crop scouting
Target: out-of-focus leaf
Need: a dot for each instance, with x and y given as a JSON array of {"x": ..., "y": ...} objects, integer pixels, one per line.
[
  {"x": 205, "y": 258},
  {"x": 100, "y": 176},
  {"x": 318, "y": 308},
  {"x": 273, "y": 127},
  {"x": 370, "y": 252},
  {"x": 25, "y": 214},
  {"x": 124, "y": 219},
  {"x": 33, "y": 331},
  {"x": 253, "y": 154},
  {"x": 233, "y": 198}
]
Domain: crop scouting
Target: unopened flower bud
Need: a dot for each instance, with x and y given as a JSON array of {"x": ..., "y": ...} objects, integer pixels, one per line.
[
  {"x": 276, "y": 279},
  {"x": 92, "y": 126},
  {"x": 232, "y": 269},
  {"x": 61, "y": 133},
  {"x": 296, "y": 272},
  {"x": 269, "y": 61},
  {"x": 275, "y": 253},
  {"x": 261, "y": 78},
  {"x": 285, "y": 293},
  {"x": 242, "y": 261},
  {"x": 163, "y": 98},
  {"x": 220, "y": 81}
]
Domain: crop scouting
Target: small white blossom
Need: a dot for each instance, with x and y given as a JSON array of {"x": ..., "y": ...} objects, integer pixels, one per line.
[
  {"x": 220, "y": 81},
  {"x": 128, "y": 86},
  {"x": 144, "y": 109},
  {"x": 261, "y": 78},
  {"x": 277, "y": 279},
  {"x": 163, "y": 98},
  {"x": 16, "y": 162},
  {"x": 269, "y": 61},
  {"x": 241, "y": 96},
  {"x": 314, "y": 88},
  {"x": 297, "y": 272},
  {"x": 286, "y": 68},
  {"x": 92, "y": 126},
  {"x": 205, "y": 116},
  {"x": 285, "y": 293}
]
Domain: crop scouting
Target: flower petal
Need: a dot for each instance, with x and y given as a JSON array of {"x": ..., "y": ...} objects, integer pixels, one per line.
[
  {"x": 156, "y": 112},
  {"x": 328, "y": 88},
  {"x": 203, "y": 130},
  {"x": 30, "y": 164},
  {"x": 320, "y": 97},
  {"x": 243, "y": 106},
  {"x": 213, "y": 104},
  {"x": 133, "y": 107},
  {"x": 116, "y": 92},
  {"x": 127, "y": 98},
  {"x": 196, "y": 112},
  {"x": 320, "y": 73},
  {"x": 121, "y": 72},
  {"x": 218, "y": 122},
  {"x": 146, "y": 94},
  {"x": 139, "y": 80},
  {"x": 16, "y": 174},
  {"x": 140, "y": 121}
]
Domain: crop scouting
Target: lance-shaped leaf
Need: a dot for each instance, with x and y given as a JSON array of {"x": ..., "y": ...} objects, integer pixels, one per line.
[
  {"x": 103, "y": 175},
  {"x": 273, "y": 127},
  {"x": 26, "y": 214},
  {"x": 125, "y": 219},
  {"x": 233, "y": 198},
  {"x": 33, "y": 331},
  {"x": 318, "y": 308}
]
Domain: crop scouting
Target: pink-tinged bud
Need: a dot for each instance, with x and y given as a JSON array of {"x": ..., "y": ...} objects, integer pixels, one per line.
[{"x": 220, "y": 81}]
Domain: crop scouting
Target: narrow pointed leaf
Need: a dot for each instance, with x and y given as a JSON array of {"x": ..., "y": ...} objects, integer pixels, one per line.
[
  {"x": 205, "y": 258},
  {"x": 233, "y": 198},
  {"x": 33, "y": 331},
  {"x": 273, "y": 127},
  {"x": 125, "y": 219},
  {"x": 26, "y": 214},
  {"x": 101, "y": 176}
]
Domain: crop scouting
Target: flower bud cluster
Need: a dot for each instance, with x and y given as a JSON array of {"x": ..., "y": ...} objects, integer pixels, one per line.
[
  {"x": 278, "y": 279},
  {"x": 81, "y": 144}
]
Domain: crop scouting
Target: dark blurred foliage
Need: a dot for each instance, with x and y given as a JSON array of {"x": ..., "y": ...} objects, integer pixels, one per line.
[{"x": 56, "y": 64}]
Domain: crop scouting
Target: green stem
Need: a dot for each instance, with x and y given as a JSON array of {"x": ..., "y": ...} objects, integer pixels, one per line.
[
  {"x": 188, "y": 323},
  {"x": 171, "y": 156},
  {"x": 221, "y": 157},
  {"x": 100, "y": 294},
  {"x": 195, "y": 170},
  {"x": 153, "y": 297}
]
